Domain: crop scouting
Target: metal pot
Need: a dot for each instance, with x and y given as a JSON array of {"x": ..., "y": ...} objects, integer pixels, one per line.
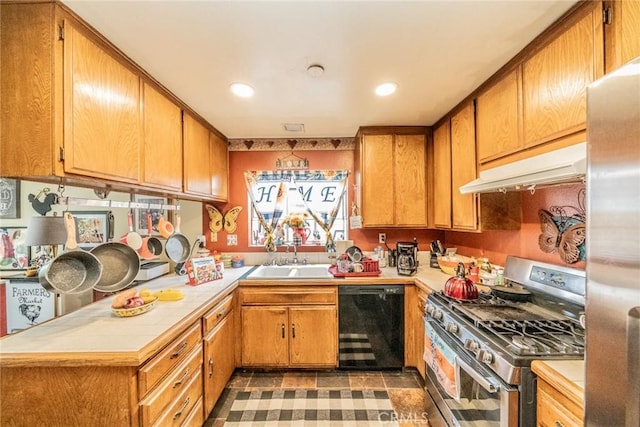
[
  {"x": 121, "y": 266},
  {"x": 177, "y": 245},
  {"x": 459, "y": 287},
  {"x": 74, "y": 271},
  {"x": 151, "y": 246}
]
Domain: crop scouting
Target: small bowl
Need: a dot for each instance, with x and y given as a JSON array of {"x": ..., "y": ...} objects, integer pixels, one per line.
[
  {"x": 135, "y": 311},
  {"x": 448, "y": 264}
]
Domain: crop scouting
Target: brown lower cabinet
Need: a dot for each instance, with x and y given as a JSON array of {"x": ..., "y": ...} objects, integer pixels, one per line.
[{"x": 289, "y": 327}]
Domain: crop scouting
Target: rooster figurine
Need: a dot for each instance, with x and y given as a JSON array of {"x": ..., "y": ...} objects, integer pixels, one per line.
[{"x": 45, "y": 206}]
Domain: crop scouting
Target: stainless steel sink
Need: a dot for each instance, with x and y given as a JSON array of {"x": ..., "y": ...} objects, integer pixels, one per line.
[{"x": 284, "y": 272}]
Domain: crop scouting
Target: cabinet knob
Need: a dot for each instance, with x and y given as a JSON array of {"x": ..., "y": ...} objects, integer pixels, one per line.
[
  {"x": 210, "y": 367},
  {"x": 559, "y": 424}
]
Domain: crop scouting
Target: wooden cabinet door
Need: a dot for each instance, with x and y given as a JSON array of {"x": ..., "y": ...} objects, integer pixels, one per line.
[
  {"x": 102, "y": 121},
  {"x": 313, "y": 336},
  {"x": 410, "y": 184},
  {"x": 622, "y": 35},
  {"x": 463, "y": 169},
  {"x": 556, "y": 78},
  {"x": 265, "y": 338},
  {"x": 219, "y": 168},
  {"x": 497, "y": 119},
  {"x": 219, "y": 361},
  {"x": 162, "y": 154},
  {"x": 197, "y": 157},
  {"x": 377, "y": 180},
  {"x": 442, "y": 176}
]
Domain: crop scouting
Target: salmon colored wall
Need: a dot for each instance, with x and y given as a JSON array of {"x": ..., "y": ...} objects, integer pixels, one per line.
[
  {"x": 496, "y": 245},
  {"x": 239, "y": 161}
]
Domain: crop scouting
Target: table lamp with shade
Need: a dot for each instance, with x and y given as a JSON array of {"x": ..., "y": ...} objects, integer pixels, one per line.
[{"x": 46, "y": 230}]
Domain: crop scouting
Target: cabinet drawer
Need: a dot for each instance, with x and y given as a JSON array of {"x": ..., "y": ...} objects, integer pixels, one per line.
[
  {"x": 216, "y": 314},
  {"x": 554, "y": 409},
  {"x": 196, "y": 417},
  {"x": 180, "y": 408},
  {"x": 154, "y": 370},
  {"x": 171, "y": 387},
  {"x": 293, "y": 295}
]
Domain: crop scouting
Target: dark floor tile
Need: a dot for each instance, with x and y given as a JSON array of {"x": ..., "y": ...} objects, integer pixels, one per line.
[
  {"x": 240, "y": 379},
  {"x": 338, "y": 379},
  {"x": 266, "y": 380},
  {"x": 401, "y": 380}
]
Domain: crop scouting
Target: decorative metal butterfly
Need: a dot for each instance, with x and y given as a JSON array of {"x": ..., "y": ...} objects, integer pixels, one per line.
[
  {"x": 566, "y": 240},
  {"x": 228, "y": 221}
]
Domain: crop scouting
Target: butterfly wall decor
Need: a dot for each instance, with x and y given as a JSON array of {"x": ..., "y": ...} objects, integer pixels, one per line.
[
  {"x": 564, "y": 233},
  {"x": 218, "y": 221}
]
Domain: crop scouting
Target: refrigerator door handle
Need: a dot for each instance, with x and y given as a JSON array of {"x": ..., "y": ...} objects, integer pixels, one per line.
[{"x": 633, "y": 368}]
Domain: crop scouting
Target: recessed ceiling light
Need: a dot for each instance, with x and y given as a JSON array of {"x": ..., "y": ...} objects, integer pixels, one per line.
[
  {"x": 242, "y": 90},
  {"x": 386, "y": 89}
]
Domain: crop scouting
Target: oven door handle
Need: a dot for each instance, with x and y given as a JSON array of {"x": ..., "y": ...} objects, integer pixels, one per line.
[{"x": 485, "y": 383}]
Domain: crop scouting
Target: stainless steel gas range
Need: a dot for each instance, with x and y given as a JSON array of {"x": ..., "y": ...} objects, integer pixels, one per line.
[{"x": 479, "y": 352}]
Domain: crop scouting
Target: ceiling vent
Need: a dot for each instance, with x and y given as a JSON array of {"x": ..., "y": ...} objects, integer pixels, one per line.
[{"x": 294, "y": 127}]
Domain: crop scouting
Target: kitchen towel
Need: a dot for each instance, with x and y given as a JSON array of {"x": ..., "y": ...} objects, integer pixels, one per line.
[{"x": 442, "y": 361}]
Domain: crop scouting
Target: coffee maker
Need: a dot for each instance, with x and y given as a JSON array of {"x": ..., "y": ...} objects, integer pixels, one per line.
[{"x": 407, "y": 258}]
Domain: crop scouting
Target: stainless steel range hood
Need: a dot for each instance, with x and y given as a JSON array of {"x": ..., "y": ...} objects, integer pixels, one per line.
[{"x": 560, "y": 166}]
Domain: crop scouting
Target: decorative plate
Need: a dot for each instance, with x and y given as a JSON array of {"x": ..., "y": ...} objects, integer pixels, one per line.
[{"x": 130, "y": 312}]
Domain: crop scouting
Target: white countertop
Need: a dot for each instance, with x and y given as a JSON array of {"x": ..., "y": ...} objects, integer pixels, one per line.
[{"x": 95, "y": 329}]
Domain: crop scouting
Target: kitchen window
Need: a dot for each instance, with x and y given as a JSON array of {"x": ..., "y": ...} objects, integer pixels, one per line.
[{"x": 306, "y": 207}]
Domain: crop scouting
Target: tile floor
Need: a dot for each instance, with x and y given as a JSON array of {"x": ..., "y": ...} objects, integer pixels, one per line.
[{"x": 405, "y": 389}]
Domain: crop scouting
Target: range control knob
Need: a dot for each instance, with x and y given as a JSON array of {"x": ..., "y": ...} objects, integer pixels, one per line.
[
  {"x": 471, "y": 345},
  {"x": 430, "y": 309},
  {"x": 485, "y": 357},
  {"x": 437, "y": 314},
  {"x": 451, "y": 327}
]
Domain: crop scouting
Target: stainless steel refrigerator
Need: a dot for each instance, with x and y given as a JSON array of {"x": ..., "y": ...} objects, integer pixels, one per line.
[{"x": 613, "y": 249}]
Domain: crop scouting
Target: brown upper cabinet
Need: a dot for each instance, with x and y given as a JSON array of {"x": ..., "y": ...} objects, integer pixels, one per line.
[
  {"x": 555, "y": 79},
  {"x": 454, "y": 157},
  {"x": 391, "y": 168},
  {"x": 539, "y": 103},
  {"x": 205, "y": 161},
  {"x": 498, "y": 118},
  {"x": 162, "y": 153},
  {"x": 74, "y": 108},
  {"x": 622, "y": 32}
]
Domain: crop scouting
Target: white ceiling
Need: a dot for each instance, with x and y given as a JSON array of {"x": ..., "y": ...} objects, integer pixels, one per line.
[{"x": 436, "y": 51}]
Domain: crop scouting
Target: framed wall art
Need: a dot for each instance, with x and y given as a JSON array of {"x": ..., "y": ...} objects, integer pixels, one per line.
[
  {"x": 153, "y": 209},
  {"x": 14, "y": 253},
  {"x": 92, "y": 228},
  {"x": 9, "y": 198}
]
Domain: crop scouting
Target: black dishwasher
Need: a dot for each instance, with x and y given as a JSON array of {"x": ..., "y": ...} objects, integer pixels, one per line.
[{"x": 371, "y": 326}]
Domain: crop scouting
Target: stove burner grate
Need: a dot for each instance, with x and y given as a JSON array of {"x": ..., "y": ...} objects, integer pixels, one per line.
[{"x": 538, "y": 337}]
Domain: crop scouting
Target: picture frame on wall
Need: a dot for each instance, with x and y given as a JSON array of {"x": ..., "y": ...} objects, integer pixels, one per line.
[
  {"x": 14, "y": 253},
  {"x": 140, "y": 219},
  {"x": 92, "y": 228},
  {"x": 9, "y": 198},
  {"x": 41, "y": 255}
]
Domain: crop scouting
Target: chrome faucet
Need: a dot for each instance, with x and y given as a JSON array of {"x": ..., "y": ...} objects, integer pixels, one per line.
[{"x": 295, "y": 254}]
